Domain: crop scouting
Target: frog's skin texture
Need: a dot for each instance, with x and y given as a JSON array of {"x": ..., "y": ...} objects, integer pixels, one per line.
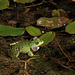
[{"x": 25, "y": 47}]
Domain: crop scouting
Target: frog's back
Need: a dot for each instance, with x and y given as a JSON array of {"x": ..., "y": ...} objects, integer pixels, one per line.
[{"x": 22, "y": 44}]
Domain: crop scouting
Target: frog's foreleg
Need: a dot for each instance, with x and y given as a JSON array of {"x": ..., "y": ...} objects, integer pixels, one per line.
[
  {"x": 30, "y": 53},
  {"x": 17, "y": 54}
]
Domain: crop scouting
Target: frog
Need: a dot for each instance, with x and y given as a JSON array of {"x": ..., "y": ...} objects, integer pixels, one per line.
[{"x": 25, "y": 47}]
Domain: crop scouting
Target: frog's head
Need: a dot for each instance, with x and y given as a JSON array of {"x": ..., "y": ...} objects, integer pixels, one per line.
[{"x": 37, "y": 41}]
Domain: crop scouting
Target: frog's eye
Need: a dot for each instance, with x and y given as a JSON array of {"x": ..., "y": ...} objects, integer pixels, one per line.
[{"x": 37, "y": 43}]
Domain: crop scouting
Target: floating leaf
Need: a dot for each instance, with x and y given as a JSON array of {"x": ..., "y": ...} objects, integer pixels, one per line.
[
  {"x": 52, "y": 23},
  {"x": 47, "y": 37},
  {"x": 70, "y": 28},
  {"x": 24, "y": 1},
  {"x": 4, "y": 4},
  {"x": 33, "y": 31},
  {"x": 10, "y": 31}
]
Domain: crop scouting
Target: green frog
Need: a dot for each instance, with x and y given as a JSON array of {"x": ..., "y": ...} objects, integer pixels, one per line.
[{"x": 25, "y": 46}]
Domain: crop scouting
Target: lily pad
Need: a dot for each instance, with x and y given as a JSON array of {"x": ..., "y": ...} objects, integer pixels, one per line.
[
  {"x": 55, "y": 22},
  {"x": 24, "y": 1},
  {"x": 10, "y": 31},
  {"x": 70, "y": 28},
  {"x": 47, "y": 37},
  {"x": 4, "y": 4},
  {"x": 33, "y": 31}
]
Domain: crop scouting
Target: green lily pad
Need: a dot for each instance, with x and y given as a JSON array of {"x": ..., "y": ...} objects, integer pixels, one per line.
[
  {"x": 33, "y": 31},
  {"x": 70, "y": 28},
  {"x": 0, "y": 0},
  {"x": 4, "y": 4},
  {"x": 10, "y": 31},
  {"x": 24, "y": 1},
  {"x": 47, "y": 37}
]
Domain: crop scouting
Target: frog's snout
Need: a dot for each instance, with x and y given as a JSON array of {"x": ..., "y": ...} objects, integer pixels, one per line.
[{"x": 40, "y": 43}]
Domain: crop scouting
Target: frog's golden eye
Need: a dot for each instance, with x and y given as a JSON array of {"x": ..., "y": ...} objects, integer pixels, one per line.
[{"x": 37, "y": 42}]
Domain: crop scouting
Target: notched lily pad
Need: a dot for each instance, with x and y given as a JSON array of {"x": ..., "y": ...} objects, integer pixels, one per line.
[
  {"x": 70, "y": 28},
  {"x": 24, "y": 1},
  {"x": 4, "y": 4},
  {"x": 33, "y": 31},
  {"x": 10, "y": 31},
  {"x": 47, "y": 37}
]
